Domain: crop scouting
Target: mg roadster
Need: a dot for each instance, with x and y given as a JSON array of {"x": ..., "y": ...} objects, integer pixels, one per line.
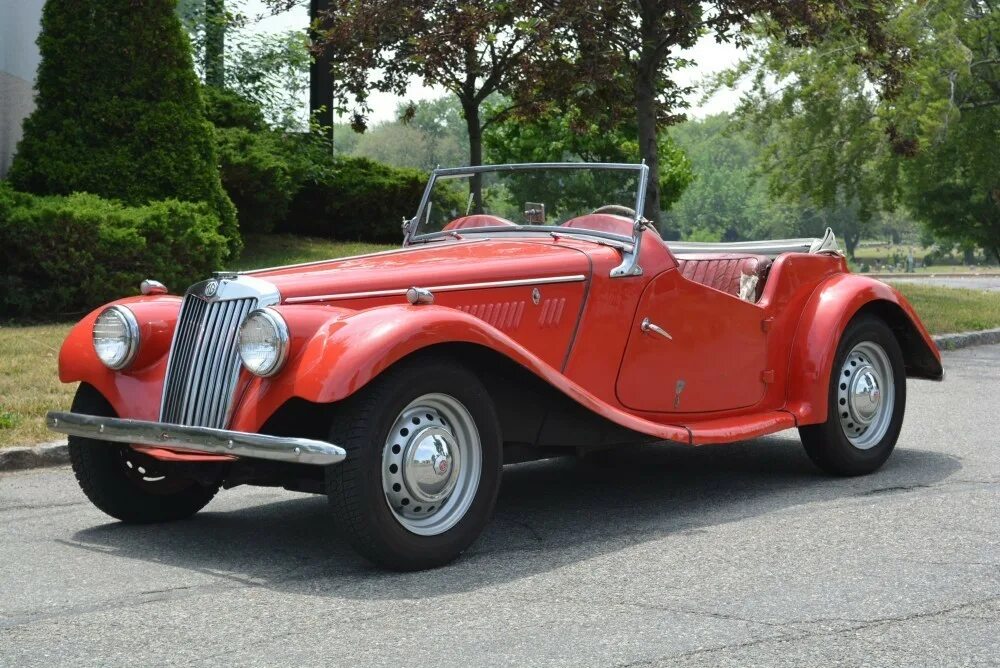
[{"x": 531, "y": 312}]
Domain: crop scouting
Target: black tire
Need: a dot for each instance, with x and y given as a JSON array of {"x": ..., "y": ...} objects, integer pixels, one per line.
[
  {"x": 354, "y": 487},
  {"x": 827, "y": 444},
  {"x": 126, "y": 484}
]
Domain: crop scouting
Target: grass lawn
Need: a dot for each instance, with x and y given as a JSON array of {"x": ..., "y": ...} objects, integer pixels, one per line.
[
  {"x": 272, "y": 250},
  {"x": 29, "y": 385},
  {"x": 882, "y": 253},
  {"x": 945, "y": 310}
]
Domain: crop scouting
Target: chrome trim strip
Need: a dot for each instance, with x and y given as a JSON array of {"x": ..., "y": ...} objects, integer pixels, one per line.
[
  {"x": 575, "y": 278},
  {"x": 197, "y": 439}
]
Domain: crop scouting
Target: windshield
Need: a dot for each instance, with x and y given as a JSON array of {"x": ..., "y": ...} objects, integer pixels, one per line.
[{"x": 600, "y": 198}]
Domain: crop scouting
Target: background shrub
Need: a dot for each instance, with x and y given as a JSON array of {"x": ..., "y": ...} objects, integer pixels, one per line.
[
  {"x": 227, "y": 109},
  {"x": 119, "y": 112},
  {"x": 257, "y": 176},
  {"x": 66, "y": 255},
  {"x": 356, "y": 199}
]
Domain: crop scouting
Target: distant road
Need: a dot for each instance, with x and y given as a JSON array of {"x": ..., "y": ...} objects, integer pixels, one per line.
[{"x": 991, "y": 283}]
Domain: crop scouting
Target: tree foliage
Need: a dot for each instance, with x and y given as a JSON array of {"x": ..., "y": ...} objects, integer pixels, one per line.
[
  {"x": 559, "y": 135},
  {"x": 118, "y": 110},
  {"x": 628, "y": 50},
  {"x": 930, "y": 148},
  {"x": 426, "y": 135},
  {"x": 269, "y": 68},
  {"x": 474, "y": 50}
]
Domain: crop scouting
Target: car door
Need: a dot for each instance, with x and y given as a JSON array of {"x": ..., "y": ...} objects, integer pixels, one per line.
[{"x": 713, "y": 360}]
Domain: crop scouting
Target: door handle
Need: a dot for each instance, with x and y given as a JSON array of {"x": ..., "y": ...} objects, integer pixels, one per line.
[{"x": 648, "y": 326}]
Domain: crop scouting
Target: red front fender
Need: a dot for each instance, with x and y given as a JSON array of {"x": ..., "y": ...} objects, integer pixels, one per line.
[
  {"x": 134, "y": 392},
  {"x": 827, "y": 313},
  {"x": 349, "y": 349}
]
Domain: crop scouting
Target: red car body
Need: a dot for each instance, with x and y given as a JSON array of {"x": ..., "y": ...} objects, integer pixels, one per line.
[
  {"x": 748, "y": 368},
  {"x": 399, "y": 383}
]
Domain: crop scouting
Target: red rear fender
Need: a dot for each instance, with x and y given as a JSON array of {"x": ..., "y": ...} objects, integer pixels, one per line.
[{"x": 827, "y": 313}]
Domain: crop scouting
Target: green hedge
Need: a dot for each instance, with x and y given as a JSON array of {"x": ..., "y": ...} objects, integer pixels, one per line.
[
  {"x": 61, "y": 256},
  {"x": 119, "y": 112},
  {"x": 357, "y": 200},
  {"x": 257, "y": 175}
]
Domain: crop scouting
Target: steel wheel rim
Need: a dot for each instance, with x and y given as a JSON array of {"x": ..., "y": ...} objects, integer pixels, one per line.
[
  {"x": 866, "y": 395},
  {"x": 431, "y": 463}
]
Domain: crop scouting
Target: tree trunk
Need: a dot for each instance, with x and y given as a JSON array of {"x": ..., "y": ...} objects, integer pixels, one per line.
[
  {"x": 215, "y": 43},
  {"x": 851, "y": 240},
  {"x": 320, "y": 77},
  {"x": 645, "y": 108},
  {"x": 471, "y": 111}
]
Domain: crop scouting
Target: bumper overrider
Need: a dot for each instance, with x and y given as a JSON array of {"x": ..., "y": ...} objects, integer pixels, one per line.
[{"x": 197, "y": 439}]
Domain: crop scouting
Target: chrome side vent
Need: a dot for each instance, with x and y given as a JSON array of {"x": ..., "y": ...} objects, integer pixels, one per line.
[{"x": 204, "y": 364}]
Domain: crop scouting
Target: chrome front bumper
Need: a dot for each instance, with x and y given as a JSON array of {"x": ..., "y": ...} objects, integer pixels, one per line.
[{"x": 197, "y": 439}]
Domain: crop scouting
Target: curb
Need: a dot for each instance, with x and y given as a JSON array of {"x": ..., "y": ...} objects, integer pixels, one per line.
[
  {"x": 44, "y": 454},
  {"x": 57, "y": 453},
  {"x": 943, "y": 274},
  {"x": 966, "y": 339}
]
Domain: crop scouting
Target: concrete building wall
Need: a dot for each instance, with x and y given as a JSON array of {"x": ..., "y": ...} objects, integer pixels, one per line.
[{"x": 20, "y": 23}]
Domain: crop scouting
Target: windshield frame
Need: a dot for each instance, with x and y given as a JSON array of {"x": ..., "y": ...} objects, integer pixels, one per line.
[{"x": 411, "y": 227}]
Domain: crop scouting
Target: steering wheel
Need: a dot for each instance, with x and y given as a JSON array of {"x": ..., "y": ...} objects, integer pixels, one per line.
[{"x": 616, "y": 210}]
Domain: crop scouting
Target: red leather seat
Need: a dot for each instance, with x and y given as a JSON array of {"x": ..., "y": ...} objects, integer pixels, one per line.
[{"x": 722, "y": 271}]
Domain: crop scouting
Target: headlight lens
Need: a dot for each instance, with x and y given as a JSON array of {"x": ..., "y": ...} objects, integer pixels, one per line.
[
  {"x": 263, "y": 342},
  {"x": 116, "y": 337}
]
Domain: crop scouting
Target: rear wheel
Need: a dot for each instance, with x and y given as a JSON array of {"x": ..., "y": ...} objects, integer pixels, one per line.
[
  {"x": 867, "y": 399},
  {"x": 423, "y": 465},
  {"x": 126, "y": 484}
]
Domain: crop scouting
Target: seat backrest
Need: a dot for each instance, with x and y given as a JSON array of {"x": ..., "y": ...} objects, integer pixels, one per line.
[{"x": 722, "y": 271}]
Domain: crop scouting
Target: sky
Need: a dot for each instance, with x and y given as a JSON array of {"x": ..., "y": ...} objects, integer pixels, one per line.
[{"x": 709, "y": 56}]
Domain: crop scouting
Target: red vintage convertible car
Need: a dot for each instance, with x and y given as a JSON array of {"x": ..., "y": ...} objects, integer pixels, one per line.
[{"x": 539, "y": 315}]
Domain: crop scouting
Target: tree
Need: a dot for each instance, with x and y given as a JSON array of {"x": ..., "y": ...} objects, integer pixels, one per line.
[
  {"x": 727, "y": 199},
  {"x": 269, "y": 69},
  {"x": 473, "y": 50},
  {"x": 628, "y": 49},
  {"x": 930, "y": 148},
  {"x": 559, "y": 135},
  {"x": 118, "y": 110},
  {"x": 395, "y": 144},
  {"x": 215, "y": 42}
]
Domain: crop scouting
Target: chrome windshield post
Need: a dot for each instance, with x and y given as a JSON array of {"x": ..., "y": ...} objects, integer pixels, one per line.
[
  {"x": 630, "y": 259},
  {"x": 410, "y": 229}
]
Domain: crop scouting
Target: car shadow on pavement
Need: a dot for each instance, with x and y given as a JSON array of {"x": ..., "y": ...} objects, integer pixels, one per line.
[{"x": 549, "y": 514}]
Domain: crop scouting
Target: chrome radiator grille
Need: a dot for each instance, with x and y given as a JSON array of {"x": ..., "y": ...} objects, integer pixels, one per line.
[{"x": 204, "y": 364}]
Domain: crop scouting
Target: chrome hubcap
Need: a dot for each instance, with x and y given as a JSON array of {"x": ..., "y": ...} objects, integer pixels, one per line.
[
  {"x": 865, "y": 395},
  {"x": 428, "y": 465},
  {"x": 431, "y": 464}
]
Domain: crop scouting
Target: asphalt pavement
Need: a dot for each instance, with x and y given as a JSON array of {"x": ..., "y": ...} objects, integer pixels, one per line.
[{"x": 730, "y": 555}]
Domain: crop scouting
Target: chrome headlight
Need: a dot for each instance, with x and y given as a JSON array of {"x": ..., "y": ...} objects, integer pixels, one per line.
[
  {"x": 116, "y": 337},
  {"x": 263, "y": 342}
]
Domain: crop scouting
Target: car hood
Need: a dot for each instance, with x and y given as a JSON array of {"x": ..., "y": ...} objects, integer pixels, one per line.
[{"x": 429, "y": 265}]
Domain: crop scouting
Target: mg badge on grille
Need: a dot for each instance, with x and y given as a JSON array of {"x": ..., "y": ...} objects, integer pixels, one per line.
[{"x": 211, "y": 288}]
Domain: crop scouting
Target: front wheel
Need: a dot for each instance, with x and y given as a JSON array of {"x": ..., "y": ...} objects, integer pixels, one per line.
[
  {"x": 423, "y": 465},
  {"x": 126, "y": 484},
  {"x": 867, "y": 399}
]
